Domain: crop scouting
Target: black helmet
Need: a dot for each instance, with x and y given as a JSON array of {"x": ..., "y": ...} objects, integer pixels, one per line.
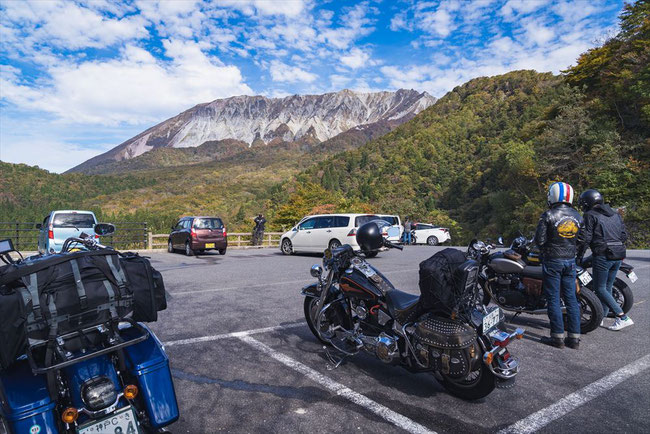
[
  {"x": 590, "y": 198},
  {"x": 369, "y": 237}
]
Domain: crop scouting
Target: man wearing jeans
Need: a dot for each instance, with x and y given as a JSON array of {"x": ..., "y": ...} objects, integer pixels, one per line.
[
  {"x": 556, "y": 237},
  {"x": 604, "y": 232}
]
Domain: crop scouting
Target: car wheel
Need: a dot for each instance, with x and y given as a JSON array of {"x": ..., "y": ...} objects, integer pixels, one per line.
[
  {"x": 432, "y": 241},
  {"x": 188, "y": 249},
  {"x": 334, "y": 244},
  {"x": 170, "y": 246},
  {"x": 222, "y": 251},
  {"x": 286, "y": 247}
]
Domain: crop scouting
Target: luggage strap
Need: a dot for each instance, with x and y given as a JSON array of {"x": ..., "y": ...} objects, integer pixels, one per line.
[
  {"x": 118, "y": 273},
  {"x": 81, "y": 291},
  {"x": 111, "y": 299},
  {"x": 31, "y": 291},
  {"x": 49, "y": 352}
]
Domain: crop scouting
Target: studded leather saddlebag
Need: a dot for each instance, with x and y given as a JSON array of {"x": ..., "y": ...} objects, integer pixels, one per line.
[{"x": 446, "y": 345}]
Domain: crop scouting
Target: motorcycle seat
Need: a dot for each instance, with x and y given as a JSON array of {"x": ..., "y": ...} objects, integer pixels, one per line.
[
  {"x": 532, "y": 271},
  {"x": 403, "y": 306}
]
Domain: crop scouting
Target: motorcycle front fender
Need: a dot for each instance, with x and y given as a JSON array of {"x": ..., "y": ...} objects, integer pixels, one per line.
[{"x": 311, "y": 290}]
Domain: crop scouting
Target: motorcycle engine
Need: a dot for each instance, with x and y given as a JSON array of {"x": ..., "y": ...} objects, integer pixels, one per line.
[
  {"x": 386, "y": 350},
  {"x": 511, "y": 291}
]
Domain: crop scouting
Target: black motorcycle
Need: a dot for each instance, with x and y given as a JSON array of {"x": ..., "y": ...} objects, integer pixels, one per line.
[
  {"x": 621, "y": 291},
  {"x": 355, "y": 307},
  {"x": 515, "y": 286}
]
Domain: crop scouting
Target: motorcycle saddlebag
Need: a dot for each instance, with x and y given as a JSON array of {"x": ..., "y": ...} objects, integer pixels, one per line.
[
  {"x": 147, "y": 286},
  {"x": 448, "y": 346},
  {"x": 442, "y": 287}
]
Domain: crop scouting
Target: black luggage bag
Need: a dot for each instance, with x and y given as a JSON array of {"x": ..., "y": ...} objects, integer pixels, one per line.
[{"x": 58, "y": 294}]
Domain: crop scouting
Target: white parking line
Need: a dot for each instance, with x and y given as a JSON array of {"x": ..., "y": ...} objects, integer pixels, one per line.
[
  {"x": 339, "y": 389},
  {"x": 264, "y": 285},
  {"x": 540, "y": 419},
  {"x": 234, "y": 334}
]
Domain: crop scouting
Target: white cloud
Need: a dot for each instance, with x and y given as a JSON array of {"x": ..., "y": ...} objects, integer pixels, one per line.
[
  {"x": 356, "y": 58},
  {"x": 135, "y": 88},
  {"x": 290, "y": 74}
]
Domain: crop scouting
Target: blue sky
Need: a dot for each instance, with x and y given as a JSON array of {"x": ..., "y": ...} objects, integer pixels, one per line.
[{"x": 79, "y": 77}]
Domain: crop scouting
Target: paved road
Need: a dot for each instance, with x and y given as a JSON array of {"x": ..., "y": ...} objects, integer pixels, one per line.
[{"x": 272, "y": 376}]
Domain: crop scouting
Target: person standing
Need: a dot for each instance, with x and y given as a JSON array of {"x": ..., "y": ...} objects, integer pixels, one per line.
[
  {"x": 604, "y": 232},
  {"x": 406, "y": 237},
  {"x": 556, "y": 237},
  {"x": 258, "y": 231}
]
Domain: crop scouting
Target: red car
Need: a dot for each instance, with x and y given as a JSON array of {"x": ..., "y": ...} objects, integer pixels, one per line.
[{"x": 195, "y": 235}]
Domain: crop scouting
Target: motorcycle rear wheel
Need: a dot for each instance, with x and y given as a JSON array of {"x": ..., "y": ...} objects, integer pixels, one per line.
[
  {"x": 591, "y": 311},
  {"x": 478, "y": 384}
]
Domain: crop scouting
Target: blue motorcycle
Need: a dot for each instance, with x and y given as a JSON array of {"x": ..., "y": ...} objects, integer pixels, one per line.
[{"x": 94, "y": 370}]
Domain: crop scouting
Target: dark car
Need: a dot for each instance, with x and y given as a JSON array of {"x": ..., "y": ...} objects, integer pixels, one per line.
[{"x": 198, "y": 234}]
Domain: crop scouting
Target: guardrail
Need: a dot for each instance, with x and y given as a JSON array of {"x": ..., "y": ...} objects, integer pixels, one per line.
[{"x": 235, "y": 239}]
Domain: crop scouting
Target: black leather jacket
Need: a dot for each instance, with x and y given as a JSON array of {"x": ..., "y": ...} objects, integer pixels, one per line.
[
  {"x": 602, "y": 225},
  {"x": 557, "y": 232}
]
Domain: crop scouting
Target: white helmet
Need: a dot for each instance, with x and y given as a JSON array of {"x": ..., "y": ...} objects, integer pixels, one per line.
[{"x": 560, "y": 192}]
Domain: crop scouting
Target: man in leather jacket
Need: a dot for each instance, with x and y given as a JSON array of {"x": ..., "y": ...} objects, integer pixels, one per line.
[
  {"x": 556, "y": 237},
  {"x": 604, "y": 232}
]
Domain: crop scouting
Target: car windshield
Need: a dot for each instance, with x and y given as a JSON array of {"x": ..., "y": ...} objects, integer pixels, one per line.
[
  {"x": 208, "y": 223},
  {"x": 382, "y": 223},
  {"x": 74, "y": 220},
  {"x": 362, "y": 220},
  {"x": 390, "y": 219}
]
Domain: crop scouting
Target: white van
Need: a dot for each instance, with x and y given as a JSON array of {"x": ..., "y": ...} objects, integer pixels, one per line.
[
  {"x": 395, "y": 222},
  {"x": 316, "y": 233}
]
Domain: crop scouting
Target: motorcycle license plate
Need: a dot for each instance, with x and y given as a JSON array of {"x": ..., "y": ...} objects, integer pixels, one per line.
[
  {"x": 632, "y": 277},
  {"x": 209, "y": 245},
  {"x": 122, "y": 421},
  {"x": 585, "y": 278},
  {"x": 491, "y": 319}
]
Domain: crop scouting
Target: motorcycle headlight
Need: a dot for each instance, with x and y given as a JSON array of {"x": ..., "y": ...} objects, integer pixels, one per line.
[{"x": 98, "y": 393}]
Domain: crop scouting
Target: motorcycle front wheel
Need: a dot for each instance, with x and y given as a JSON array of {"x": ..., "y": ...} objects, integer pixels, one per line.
[
  {"x": 310, "y": 308},
  {"x": 476, "y": 385}
]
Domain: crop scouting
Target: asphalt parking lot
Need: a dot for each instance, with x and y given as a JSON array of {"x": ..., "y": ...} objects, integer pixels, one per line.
[{"x": 244, "y": 360}]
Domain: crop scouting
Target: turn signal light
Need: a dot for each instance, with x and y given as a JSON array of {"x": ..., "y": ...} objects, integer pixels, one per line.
[
  {"x": 519, "y": 336},
  {"x": 69, "y": 415},
  {"x": 487, "y": 358},
  {"x": 131, "y": 391}
]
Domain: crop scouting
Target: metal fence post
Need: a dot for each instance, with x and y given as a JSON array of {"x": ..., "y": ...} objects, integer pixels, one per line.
[
  {"x": 145, "y": 238},
  {"x": 149, "y": 240},
  {"x": 17, "y": 236}
]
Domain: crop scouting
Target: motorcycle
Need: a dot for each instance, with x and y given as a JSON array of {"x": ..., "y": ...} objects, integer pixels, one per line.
[
  {"x": 111, "y": 377},
  {"x": 515, "y": 285},
  {"x": 621, "y": 291},
  {"x": 355, "y": 307}
]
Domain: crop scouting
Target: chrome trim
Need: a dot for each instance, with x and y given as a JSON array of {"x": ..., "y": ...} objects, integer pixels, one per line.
[{"x": 103, "y": 412}]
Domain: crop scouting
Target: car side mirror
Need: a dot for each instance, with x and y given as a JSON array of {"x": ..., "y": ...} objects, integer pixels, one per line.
[
  {"x": 103, "y": 229},
  {"x": 39, "y": 225}
]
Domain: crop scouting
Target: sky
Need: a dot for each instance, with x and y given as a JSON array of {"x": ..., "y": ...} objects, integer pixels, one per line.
[{"x": 80, "y": 77}]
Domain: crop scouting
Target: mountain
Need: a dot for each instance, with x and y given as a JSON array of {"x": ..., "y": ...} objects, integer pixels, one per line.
[{"x": 257, "y": 120}]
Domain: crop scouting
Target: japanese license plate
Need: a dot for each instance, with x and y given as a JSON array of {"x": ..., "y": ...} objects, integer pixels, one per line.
[
  {"x": 490, "y": 320},
  {"x": 121, "y": 422},
  {"x": 585, "y": 277},
  {"x": 209, "y": 245},
  {"x": 632, "y": 276}
]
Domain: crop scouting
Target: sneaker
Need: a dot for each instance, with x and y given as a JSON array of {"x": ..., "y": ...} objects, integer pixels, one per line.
[
  {"x": 554, "y": 342},
  {"x": 620, "y": 323},
  {"x": 602, "y": 323}
]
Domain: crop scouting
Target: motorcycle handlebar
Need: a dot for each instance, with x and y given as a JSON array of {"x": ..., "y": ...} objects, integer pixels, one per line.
[{"x": 392, "y": 246}]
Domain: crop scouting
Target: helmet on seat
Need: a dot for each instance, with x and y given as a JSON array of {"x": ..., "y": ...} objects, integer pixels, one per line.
[
  {"x": 560, "y": 192},
  {"x": 589, "y": 199},
  {"x": 369, "y": 237}
]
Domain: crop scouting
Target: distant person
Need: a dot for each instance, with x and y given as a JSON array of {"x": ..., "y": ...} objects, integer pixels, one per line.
[
  {"x": 556, "y": 237},
  {"x": 604, "y": 232},
  {"x": 258, "y": 231},
  {"x": 406, "y": 237}
]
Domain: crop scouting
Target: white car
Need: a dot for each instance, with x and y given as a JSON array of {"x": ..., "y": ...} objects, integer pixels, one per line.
[
  {"x": 396, "y": 223},
  {"x": 316, "y": 233},
  {"x": 430, "y": 234}
]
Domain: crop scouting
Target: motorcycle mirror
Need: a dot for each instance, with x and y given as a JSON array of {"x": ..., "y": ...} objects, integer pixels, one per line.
[
  {"x": 103, "y": 229},
  {"x": 500, "y": 241},
  {"x": 316, "y": 271}
]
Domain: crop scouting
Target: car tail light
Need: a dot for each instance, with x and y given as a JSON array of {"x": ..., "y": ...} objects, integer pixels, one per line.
[
  {"x": 50, "y": 233},
  {"x": 445, "y": 230},
  {"x": 225, "y": 234},
  {"x": 352, "y": 233},
  {"x": 385, "y": 234},
  {"x": 96, "y": 236},
  {"x": 193, "y": 234}
]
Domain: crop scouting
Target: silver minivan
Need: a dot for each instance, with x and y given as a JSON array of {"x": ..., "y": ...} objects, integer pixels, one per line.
[{"x": 60, "y": 225}]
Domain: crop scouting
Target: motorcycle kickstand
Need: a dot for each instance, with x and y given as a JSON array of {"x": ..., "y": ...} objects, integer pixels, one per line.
[
  {"x": 515, "y": 315},
  {"x": 334, "y": 362}
]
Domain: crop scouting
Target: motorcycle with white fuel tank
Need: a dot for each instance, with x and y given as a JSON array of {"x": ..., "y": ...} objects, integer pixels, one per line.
[{"x": 354, "y": 307}]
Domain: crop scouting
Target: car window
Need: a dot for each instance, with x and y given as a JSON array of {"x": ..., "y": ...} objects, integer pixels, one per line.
[
  {"x": 421, "y": 226},
  {"x": 308, "y": 224},
  {"x": 187, "y": 224},
  {"x": 362, "y": 220},
  {"x": 341, "y": 221},
  {"x": 73, "y": 220},
  {"x": 208, "y": 223},
  {"x": 390, "y": 219},
  {"x": 324, "y": 222}
]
